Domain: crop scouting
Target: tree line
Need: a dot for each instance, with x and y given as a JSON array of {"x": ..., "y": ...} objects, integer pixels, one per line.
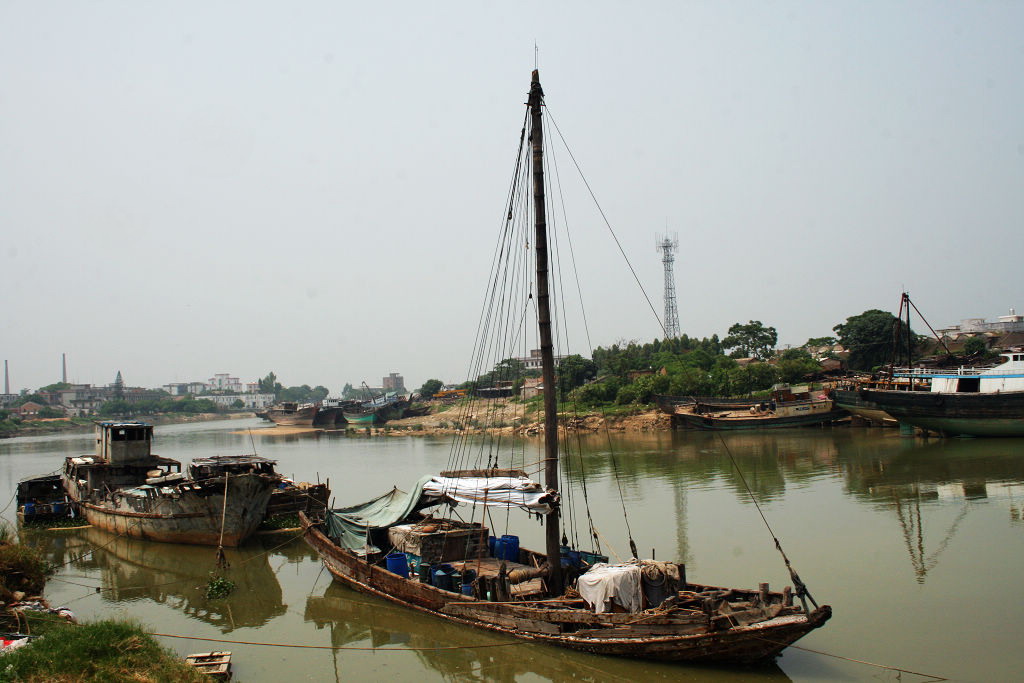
[{"x": 633, "y": 372}]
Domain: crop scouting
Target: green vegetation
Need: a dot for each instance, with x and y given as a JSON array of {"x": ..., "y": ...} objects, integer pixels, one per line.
[
  {"x": 21, "y": 567},
  {"x": 218, "y": 587},
  {"x": 100, "y": 651},
  {"x": 430, "y": 387},
  {"x": 752, "y": 340},
  {"x": 573, "y": 372},
  {"x": 270, "y": 385},
  {"x": 121, "y": 407},
  {"x": 280, "y": 522},
  {"x": 870, "y": 338}
]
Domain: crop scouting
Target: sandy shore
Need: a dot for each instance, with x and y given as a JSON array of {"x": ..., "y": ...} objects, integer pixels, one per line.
[{"x": 495, "y": 417}]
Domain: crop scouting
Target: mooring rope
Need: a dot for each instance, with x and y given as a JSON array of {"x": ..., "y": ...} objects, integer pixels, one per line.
[
  {"x": 340, "y": 647},
  {"x": 856, "y": 661}
]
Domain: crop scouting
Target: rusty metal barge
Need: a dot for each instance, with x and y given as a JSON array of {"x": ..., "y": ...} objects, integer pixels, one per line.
[{"x": 126, "y": 489}]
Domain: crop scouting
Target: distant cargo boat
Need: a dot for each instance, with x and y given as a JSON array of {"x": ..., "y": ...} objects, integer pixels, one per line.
[
  {"x": 786, "y": 407},
  {"x": 381, "y": 409},
  {"x": 289, "y": 414},
  {"x": 680, "y": 404},
  {"x": 967, "y": 401},
  {"x": 125, "y": 489}
]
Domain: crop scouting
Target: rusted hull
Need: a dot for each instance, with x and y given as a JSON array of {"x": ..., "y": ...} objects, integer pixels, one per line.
[
  {"x": 852, "y": 402},
  {"x": 757, "y": 643},
  {"x": 301, "y": 417},
  {"x": 968, "y": 414},
  {"x": 191, "y": 517},
  {"x": 329, "y": 418}
]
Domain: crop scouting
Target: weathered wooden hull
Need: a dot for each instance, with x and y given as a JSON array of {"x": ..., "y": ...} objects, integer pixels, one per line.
[
  {"x": 967, "y": 414},
  {"x": 713, "y": 423},
  {"x": 757, "y": 643},
  {"x": 301, "y": 417},
  {"x": 193, "y": 517}
]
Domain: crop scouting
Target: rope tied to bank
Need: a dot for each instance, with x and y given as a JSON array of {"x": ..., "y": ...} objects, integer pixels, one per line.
[{"x": 341, "y": 647}]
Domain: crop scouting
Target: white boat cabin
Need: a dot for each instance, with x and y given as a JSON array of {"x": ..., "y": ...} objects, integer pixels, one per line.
[{"x": 1007, "y": 376}]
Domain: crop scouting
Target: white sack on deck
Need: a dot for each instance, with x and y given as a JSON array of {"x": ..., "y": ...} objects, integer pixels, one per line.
[
  {"x": 619, "y": 582},
  {"x": 492, "y": 491}
]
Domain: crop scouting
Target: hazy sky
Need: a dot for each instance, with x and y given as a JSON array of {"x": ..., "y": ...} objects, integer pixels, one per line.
[{"x": 314, "y": 188}]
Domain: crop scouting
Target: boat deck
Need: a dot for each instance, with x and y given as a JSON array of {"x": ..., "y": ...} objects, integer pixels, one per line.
[{"x": 489, "y": 567}]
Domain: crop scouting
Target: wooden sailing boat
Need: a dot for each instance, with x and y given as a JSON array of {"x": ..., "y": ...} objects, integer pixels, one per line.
[{"x": 527, "y": 594}]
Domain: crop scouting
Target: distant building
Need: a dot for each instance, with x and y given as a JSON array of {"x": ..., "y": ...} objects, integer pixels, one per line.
[
  {"x": 185, "y": 388},
  {"x": 533, "y": 361},
  {"x": 83, "y": 399},
  {"x": 225, "y": 382},
  {"x": 532, "y": 386},
  {"x": 393, "y": 382},
  {"x": 28, "y": 410},
  {"x": 1004, "y": 324},
  {"x": 250, "y": 401}
]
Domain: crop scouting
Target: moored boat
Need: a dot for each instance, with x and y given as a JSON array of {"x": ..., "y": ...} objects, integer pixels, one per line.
[
  {"x": 290, "y": 414},
  {"x": 966, "y": 401},
  {"x": 42, "y": 499},
  {"x": 380, "y": 409},
  {"x": 125, "y": 489},
  {"x": 455, "y": 570},
  {"x": 784, "y": 407}
]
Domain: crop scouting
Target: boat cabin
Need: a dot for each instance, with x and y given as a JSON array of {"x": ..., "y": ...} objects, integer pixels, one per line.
[
  {"x": 123, "y": 458},
  {"x": 42, "y": 499},
  {"x": 1007, "y": 376},
  {"x": 218, "y": 465}
]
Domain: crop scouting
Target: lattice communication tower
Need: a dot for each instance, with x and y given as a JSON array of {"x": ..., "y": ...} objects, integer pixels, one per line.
[{"x": 667, "y": 246}]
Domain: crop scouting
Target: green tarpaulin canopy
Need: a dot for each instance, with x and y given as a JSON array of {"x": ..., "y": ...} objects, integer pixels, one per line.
[{"x": 348, "y": 527}]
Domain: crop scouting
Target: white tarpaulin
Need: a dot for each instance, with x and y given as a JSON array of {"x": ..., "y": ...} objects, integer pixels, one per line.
[
  {"x": 605, "y": 582},
  {"x": 492, "y": 491}
]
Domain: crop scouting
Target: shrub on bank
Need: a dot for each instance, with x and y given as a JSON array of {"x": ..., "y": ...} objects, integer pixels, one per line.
[
  {"x": 100, "y": 651},
  {"x": 21, "y": 568}
]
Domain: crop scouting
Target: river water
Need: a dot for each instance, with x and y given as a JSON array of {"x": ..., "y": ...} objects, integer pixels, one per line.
[{"x": 917, "y": 545}]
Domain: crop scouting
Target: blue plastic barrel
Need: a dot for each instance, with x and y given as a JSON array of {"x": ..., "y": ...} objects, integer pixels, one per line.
[
  {"x": 467, "y": 589},
  {"x": 441, "y": 579},
  {"x": 468, "y": 575},
  {"x": 491, "y": 540},
  {"x": 30, "y": 508},
  {"x": 510, "y": 548},
  {"x": 398, "y": 564},
  {"x": 58, "y": 508}
]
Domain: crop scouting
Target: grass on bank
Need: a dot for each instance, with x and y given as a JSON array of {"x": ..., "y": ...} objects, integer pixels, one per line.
[{"x": 97, "y": 652}]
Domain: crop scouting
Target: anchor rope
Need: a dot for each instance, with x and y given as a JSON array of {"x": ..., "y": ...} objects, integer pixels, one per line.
[{"x": 798, "y": 584}]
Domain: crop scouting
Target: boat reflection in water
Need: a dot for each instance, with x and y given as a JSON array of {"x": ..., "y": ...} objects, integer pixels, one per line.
[
  {"x": 953, "y": 474},
  {"x": 131, "y": 570},
  {"x": 357, "y": 620}
]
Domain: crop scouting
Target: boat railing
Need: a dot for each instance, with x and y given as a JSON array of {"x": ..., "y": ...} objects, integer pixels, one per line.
[{"x": 939, "y": 372}]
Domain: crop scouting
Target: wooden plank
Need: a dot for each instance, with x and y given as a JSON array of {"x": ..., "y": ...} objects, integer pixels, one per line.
[
  {"x": 502, "y": 618},
  {"x": 641, "y": 631}
]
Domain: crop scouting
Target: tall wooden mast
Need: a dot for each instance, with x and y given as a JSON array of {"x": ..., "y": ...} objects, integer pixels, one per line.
[{"x": 552, "y": 528}]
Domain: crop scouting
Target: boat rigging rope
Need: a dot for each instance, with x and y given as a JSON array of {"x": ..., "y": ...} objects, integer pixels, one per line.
[
  {"x": 798, "y": 584},
  {"x": 606, "y": 222},
  {"x": 586, "y": 328}
]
